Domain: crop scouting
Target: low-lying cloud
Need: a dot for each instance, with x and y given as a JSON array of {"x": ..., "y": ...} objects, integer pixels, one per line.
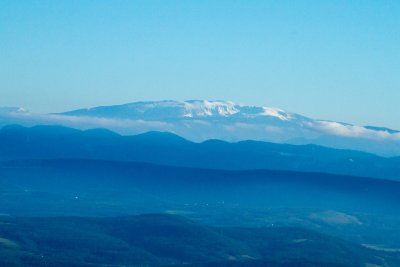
[
  {"x": 352, "y": 131},
  {"x": 248, "y": 129},
  {"x": 84, "y": 122}
]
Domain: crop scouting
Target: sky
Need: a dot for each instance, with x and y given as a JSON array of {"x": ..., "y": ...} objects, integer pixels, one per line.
[{"x": 334, "y": 60}]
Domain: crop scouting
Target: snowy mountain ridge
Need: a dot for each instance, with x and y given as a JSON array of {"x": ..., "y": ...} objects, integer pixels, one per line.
[{"x": 186, "y": 109}]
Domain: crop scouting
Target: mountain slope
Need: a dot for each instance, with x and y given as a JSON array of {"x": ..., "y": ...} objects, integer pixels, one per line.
[
  {"x": 51, "y": 142},
  {"x": 361, "y": 210},
  {"x": 194, "y": 109},
  {"x": 167, "y": 240},
  {"x": 129, "y": 185}
]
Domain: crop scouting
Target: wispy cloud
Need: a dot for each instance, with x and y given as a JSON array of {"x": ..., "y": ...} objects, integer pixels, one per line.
[
  {"x": 352, "y": 131},
  {"x": 83, "y": 122},
  {"x": 192, "y": 128}
]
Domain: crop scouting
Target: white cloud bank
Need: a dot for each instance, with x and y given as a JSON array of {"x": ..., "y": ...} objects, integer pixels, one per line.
[
  {"x": 85, "y": 122},
  {"x": 352, "y": 131}
]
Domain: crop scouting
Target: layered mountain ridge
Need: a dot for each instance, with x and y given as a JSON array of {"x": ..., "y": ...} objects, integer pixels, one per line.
[
  {"x": 53, "y": 142},
  {"x": 200, "y": 120}
]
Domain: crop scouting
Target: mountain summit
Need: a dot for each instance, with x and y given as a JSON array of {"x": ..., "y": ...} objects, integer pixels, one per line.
[{"x": 169, "y": 109}]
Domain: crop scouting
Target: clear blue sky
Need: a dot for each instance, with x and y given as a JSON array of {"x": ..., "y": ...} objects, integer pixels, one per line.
[{"x": 337, "y": 60}]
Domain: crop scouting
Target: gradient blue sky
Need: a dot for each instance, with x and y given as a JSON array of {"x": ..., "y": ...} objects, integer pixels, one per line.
[{"x": 337, "y": 60}]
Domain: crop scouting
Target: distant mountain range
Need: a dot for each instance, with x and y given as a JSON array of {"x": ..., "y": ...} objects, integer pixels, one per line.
[
  {"x": 199, "y": 120},
  {"x": 55, "y": 142}
]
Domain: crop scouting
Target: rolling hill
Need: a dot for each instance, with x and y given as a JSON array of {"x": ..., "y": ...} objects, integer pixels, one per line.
[
  {"x": 169, "y": 240},
  {"x": 52, "y": 142}
]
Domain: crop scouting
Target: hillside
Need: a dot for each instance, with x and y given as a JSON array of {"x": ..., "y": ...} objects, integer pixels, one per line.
[
  {"x": 52, "y": 142},
  {"x": 363, "y": 210},
  {"x": 166, "y": 240}
]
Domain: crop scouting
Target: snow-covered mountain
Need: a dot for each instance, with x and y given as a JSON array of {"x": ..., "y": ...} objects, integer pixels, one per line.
[
  {"x": 199, "y": 120},
  {"x": 191, "y": 109}
]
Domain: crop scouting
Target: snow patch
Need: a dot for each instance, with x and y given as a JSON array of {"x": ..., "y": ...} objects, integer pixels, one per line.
[
  {"x": 275, "y": 112},
  {"x": 204, "y": 108}
]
